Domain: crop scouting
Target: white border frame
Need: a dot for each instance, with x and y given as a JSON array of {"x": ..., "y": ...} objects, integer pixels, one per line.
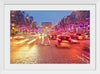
[
  {"x": 90, "y": 66},
  {"x": 3, "y": 71}
]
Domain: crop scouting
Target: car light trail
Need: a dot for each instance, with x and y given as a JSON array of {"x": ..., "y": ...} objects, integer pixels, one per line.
[
  {"x": 40, "y": 37},
  {"x": 18, "y": 37},
  {"x": 10, "y": 37},
  {"x": 22, "y": 41},
  {"x": 21, "y": 37},
  {"x": 31, "y": 41},
  {"x": 15, "y": 37}
]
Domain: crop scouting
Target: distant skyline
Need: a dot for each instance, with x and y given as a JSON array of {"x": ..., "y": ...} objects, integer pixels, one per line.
[{"x": 47, "y": 16}]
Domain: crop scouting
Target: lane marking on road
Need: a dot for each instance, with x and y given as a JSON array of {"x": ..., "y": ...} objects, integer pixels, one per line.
[
  {"x": 83, "y": 59},
  {"x": 31, "y": 41},
  {"x": 18, "y": 37},
  {"x": 22, "y": 41},
  {"x": 86, "y": 56}
]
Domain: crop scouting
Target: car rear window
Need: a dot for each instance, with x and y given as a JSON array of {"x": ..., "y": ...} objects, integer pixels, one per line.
[
  {"x": 79, "y": 34},
  {"x": 64, "y": 38}
]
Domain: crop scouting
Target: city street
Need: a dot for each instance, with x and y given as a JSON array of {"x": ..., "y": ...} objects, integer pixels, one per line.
[
  {"x": 49, "y": 37},
  {"x": 28, "y": 50}
]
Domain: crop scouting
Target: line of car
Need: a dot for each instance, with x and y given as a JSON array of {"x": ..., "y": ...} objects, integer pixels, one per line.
[{"x": 67, "y": 40}]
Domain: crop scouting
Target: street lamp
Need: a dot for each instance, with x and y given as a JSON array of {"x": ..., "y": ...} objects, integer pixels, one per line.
[
  {"x": 13, "y": 24},
  {"x": 13, "y": 11},
  {"x": 13, "y": 28},
  {"x": 65, "y": 17},
  {"x": 27, "y": 17},
  {"x": 65, "y": 20}
]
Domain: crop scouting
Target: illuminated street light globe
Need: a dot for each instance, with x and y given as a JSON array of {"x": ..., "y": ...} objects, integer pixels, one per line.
[
  {"x": 65, "y": 17},
  {"x": 13, "y": 24},
  {"x": 13, "y": 11},
  {"x": 27, "y": 17}
]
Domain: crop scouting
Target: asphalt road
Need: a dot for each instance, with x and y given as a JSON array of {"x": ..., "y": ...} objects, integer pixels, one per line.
[{"x": 31, "y": 51}]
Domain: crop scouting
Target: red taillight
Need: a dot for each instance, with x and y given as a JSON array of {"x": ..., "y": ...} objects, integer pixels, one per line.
[
  {"x": 59, "y": 44},
  {"x": 80, "y": 37},
  {"x": 70, "y": 38}
]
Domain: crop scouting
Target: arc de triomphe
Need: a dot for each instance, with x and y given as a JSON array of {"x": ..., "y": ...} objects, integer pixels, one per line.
[{"x": 46, "y": 24}]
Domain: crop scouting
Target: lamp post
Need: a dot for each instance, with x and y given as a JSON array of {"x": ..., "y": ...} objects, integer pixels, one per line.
[
  {"x": 13, "y": 28},
  {"x": 27, "y": 18},
  {"x": 65, "y": 20}
]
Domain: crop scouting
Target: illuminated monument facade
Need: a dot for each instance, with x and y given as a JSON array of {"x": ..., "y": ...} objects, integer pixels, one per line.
[{"x": 46, "y": 24}]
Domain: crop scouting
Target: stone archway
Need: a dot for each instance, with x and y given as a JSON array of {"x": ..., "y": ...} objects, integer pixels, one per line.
[{"x": 46, "y": 24}]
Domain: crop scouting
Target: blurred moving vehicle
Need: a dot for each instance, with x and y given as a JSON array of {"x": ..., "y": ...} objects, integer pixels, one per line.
[
  {"x": 86, "y": 36},
  {"x": 33, "y": 33},
  {"x": 65, "y": 41},
  {"x": 73, "y": 36},
  {"x": 18, "y": 36},
  {"x": 53, "y": 37},
  {"x": 75, "y": 41},
  {"x": 80, "y": 37}
]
